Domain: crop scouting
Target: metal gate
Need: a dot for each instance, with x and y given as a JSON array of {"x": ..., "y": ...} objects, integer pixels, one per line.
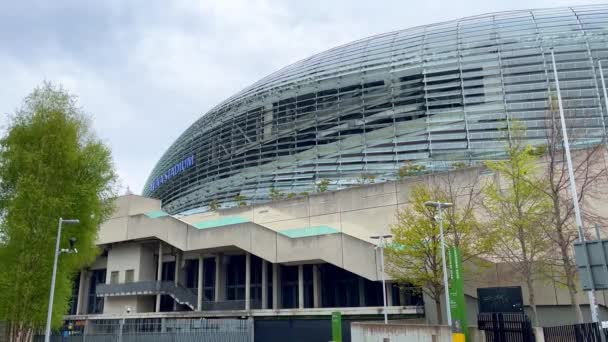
[
  {"x": 506, "y": 327},
  {"x": 586, "y": 332},
  {"x": 157, "y": 330}
]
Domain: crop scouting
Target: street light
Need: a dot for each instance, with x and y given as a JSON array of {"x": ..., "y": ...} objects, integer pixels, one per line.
[
  {"x": 381, "y": 246},
  {"x": 573, "y": 193},
  {"x": 439, "y": 206},
  {"x": 47, "y": 333}
]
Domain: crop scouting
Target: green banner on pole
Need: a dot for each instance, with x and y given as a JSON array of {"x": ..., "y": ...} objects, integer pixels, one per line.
[
  {"x": 457, "y": 301},
  {"x": 336, "y": 326}
]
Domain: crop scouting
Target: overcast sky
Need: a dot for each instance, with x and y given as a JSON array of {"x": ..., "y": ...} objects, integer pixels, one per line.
[{"x": 145, "y": 70}]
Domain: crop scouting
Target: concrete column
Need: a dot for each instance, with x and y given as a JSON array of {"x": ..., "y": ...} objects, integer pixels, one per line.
[
  {"x": 178, "y": 266},
  {"x": 201, "y": 283},
  {"x": 301, "y": 286},
  {"x": 79, "y": 296},
  {"x": 247, "y": 282},
  {"x": 219, "y": 278},
  {"x": 159, "y": 272},
  {"x": 275, "y": 287},
  {"x": 316, "y": 286},
  {"x": 389, "y": 293},
  {"x": 361, "y": 292},
  {"x": 264, "y": 284}
]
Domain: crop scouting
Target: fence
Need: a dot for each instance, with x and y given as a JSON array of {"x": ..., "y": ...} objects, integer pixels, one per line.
[
  {"x": 586, "y": 332},
  {"x": 506, "y": 327},
  {"x": 156, "y": 330}
]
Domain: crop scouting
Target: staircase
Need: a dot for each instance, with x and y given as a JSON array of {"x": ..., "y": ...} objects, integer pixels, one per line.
[{"x": 180, "y": 294}]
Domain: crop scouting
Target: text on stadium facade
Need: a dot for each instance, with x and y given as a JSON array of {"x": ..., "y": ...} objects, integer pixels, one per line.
[{"x": 178, "y": 168}]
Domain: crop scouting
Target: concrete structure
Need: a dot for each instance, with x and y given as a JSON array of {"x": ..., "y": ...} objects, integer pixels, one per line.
[
  {"x": 434, "y": 97},
  {"x": 304, "y": 256}
]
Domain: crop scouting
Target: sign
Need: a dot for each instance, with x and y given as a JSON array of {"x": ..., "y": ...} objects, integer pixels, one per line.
[
  {"x": 175, "y": 170},
  {"x": 592, "y": 255},
  {"x": 336, "y": 326},
  {"x": 457, "y": 302},
  {"x": 604, "y": 324},
  {"x": 500, "y": 299}
]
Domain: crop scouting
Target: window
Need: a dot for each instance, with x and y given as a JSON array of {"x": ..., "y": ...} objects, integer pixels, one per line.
[
  {"x": 114, "y": 277},
  {"x": 129, "y": 276}
]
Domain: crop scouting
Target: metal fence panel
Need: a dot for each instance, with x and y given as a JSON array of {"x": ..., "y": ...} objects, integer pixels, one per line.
[{"x": 161, "y": 330}]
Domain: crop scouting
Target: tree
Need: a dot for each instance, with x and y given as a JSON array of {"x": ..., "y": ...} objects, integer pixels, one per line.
[
  {"x": 214, "y": 205},
  {"x": 322, "y": 185},
  {"x": 562, "y": 232},
  {"x": 51, "y": 166},
  {"x": 414, "y": 256},
  {"x": 241, "y": 200},
  {"x": 276, "y": 194},
  {"x": 519, "y": 210}
]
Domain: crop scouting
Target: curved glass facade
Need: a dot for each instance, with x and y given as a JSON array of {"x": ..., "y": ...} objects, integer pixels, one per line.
[{"x": 429, "y": 97}]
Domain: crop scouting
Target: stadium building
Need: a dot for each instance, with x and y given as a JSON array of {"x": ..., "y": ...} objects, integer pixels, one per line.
[{"x": 263, "y": 206}]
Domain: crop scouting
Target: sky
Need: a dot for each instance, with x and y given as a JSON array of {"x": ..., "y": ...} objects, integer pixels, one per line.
[{"x": 145, "y": 70}]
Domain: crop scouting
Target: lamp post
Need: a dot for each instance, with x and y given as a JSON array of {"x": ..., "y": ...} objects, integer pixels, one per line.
[
  {"x": 577, "y": 211},
  {"x": 446, "y": 287},
  {"x": 47, "y": 333},
  {"x": 381, "y": 246}
]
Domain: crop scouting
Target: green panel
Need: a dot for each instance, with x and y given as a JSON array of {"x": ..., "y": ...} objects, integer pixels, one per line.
[
  {"x": 220, "y": 222},
  {"x": 336, "y": 326},
  {"x": 308, "y": 231},
  {"x": 156, "y": 214},
  {"x": 456, "y": 292}
]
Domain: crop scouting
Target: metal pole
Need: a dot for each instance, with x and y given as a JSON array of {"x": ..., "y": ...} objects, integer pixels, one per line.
[
  {"x": 577, "y": 210},
  {"x": 605, "y": 97},
  {"x": 383, "y": 280},
  {"x": 47, "y": 332},
  {"x": 446, "y": 286}
]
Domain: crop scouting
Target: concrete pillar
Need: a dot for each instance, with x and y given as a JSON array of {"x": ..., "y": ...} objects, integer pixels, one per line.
[
  {"x": 178, "y": 266},
  {"x": 361, "y": 292},
  {"x": 276, "y": 291},
  {"x": 389, "y": 293},
  {"x": 219, "y": 278},
  {"x": 159, "y": 272},
  {"x": 200, "y": 283},
  {"x": 301, "y": 286},
  {"x": 264, "y": 284},
  {"x": 316, "y": 286},
  {"x": 247, "y": 282},
  {"x": 79, "y": 296}
]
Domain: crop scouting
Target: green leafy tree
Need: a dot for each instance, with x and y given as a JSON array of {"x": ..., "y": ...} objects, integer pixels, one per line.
[
  {"x": 519, "y": 210},
  {"x": 214, "y": 205},
  {"x": 51, "y": 166},
  {"x": 414, "y": 256},
  {"x": 276, "y": 194},
  {"x": 241, "y": 200},
  {"x": 323, "y": 185}
]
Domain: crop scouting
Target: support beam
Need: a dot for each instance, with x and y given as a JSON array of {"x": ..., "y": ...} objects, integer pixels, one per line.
[
  {"x": 247, "y": 282},
  {"x": 275, "y": 287},
  {"x": 80, "y": 298},
  {"x": 264, "y": 284},
  {"x": 159, "y": 272},
  {"x": 361, "y": 292},
  {"x": 301, "y": 286},
  {"x": 201, "y": 282},
  {"x": 178, "y": 266},
  {"x": 219, "y": 278},
  {"x": 316, "y": 286},
  {"x": 389, "y": 293}
]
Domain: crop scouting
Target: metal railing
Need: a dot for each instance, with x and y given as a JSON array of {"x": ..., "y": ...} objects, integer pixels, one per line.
[
  {"x": 158, "y": 330},
  {"x": 181, "y": 294}
]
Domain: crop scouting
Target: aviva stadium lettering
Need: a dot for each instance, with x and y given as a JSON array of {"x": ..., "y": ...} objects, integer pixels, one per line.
[{"x": 178, "y": 168}]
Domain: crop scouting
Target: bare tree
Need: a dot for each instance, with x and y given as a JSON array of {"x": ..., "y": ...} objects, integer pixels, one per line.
[{"x": 589, "y": 171}]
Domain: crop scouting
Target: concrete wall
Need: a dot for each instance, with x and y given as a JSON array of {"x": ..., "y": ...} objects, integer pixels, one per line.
[{"x": 377, "y": 332}]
